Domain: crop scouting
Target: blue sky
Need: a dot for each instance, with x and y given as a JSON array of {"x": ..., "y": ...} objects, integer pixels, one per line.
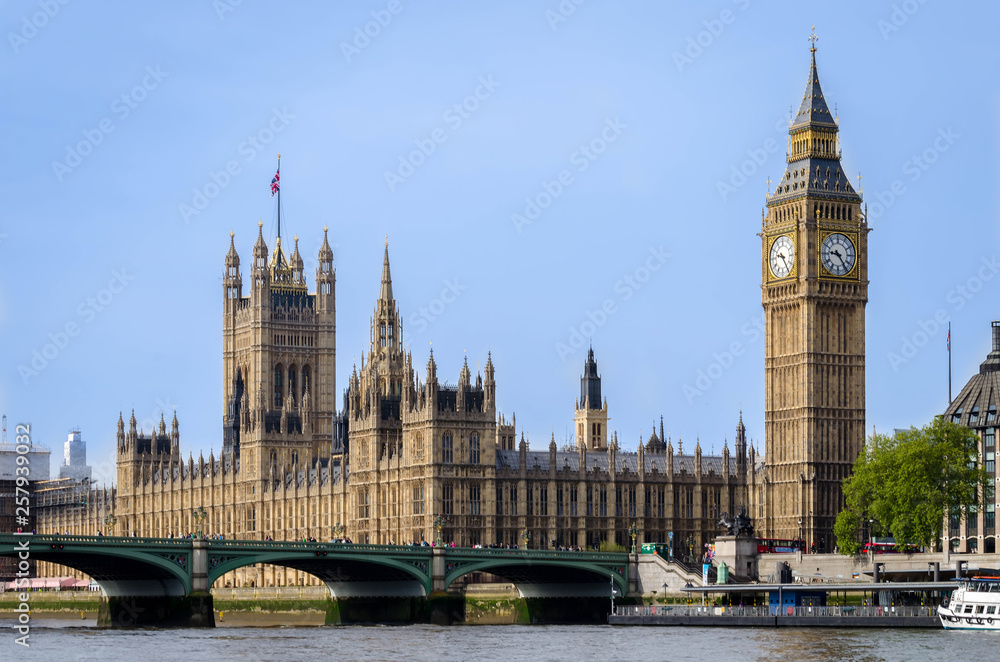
[{"x": 119, "y": 123}]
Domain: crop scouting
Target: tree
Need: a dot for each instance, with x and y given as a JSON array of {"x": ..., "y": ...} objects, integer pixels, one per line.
[{"x": 907, "y": 483}]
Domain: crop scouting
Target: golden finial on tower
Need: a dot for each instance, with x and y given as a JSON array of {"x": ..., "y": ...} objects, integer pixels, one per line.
[
  {"x": 325, "y": 228},
  {"x": 813, "y": 38},
  {"x": 387, "y": 241},
  {"x": 296, "y": 238},
  {"x": 279, "y": 153},
  {"x": 860, "y": 189},
  {"x": 260, "y": 223},
  {"x": 231, "y": 234},
  {"x": 769, "y": 186}
]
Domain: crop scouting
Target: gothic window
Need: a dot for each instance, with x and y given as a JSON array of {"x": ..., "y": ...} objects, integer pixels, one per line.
[
  {"x": 603, "y": 510},
  {"x": 364, "y": 505},
  {"x": 292, "y": 386},
  {"x": 572, "y": 500},
  {"x": 447, "y": 499},
  {"x": 513, "y": 499},
  {"x": 531, "y": 501},
  {"x": 381, "y": 330},
  {"x": 475, "y": 507},
  {"x": 306, "y": 378},
  {"x": 474, "y": 448},
  {"x": 446, "y": 448},
  {"x": 390, "y": 335},
  {"x": 559, "y": 499},
  {"x": 279, "y": 382},
  {"x": 543, "y": 501},
  {"x": 418, "y": 499}
]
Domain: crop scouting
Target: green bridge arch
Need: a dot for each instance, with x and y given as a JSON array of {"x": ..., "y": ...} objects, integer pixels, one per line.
[
  {"x": 110, "y": 561},
  {"x": 319, "y": 559},
  {"x": 519, "y": 566}
]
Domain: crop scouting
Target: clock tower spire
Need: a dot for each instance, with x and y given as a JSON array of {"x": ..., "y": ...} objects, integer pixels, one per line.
[{"x": 814, "y": 282}]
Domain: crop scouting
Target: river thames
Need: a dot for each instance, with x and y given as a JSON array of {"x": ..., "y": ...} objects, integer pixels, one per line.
[{"x": 64, "y": 640}]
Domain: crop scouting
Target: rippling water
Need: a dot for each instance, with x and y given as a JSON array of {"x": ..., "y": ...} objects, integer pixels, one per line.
[{"x": 64, "y": 640}]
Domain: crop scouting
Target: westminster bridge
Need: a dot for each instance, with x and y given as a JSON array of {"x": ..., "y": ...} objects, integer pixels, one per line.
[{"x": 166, "y": 581}]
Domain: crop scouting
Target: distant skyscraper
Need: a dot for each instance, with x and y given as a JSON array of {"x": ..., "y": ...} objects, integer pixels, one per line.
[{"x": 75, "y": 458}]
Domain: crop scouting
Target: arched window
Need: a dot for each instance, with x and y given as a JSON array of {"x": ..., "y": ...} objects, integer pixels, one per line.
[
  {"x": 292, "y": 385},
  {"x": 279, "y": 383},
  {"x": 474, "y": 448},
  {"x": 446, "y": 448}
]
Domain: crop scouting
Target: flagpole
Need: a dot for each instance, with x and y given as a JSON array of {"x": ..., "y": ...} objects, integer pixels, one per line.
[
  {"x": 279, "y": 196},
  {"x": 949, "y": 363}
]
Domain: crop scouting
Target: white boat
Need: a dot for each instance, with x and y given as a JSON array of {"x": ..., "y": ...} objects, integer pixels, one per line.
[{"x": 974, "y": 605}]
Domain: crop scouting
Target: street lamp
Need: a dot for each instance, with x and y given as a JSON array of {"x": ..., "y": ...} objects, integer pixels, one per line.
[
  {"x": 109, "y": 524},
  {"x": 633, "y": 532},
  {"x": 438, "y": 525},
  {"x": 800, "y": 534},
  {"x": 200, "y": 516},
  {"x": 338, "y": 529},
  {"x": 525, "y": 538}
]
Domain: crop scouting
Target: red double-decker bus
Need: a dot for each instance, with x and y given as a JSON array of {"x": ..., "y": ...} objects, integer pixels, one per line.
[{"x": 779, "y": 546}]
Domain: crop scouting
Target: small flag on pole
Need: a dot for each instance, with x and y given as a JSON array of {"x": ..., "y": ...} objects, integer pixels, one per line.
[
  {"x": 275, "y": 182},
  {"x": 949, "y": 337}
]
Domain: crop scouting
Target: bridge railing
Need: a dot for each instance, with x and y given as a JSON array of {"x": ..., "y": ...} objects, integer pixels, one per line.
[
  {"x": 123, "y": 541},
  {"x": 280, "y": 545},
  {"x": 493, "y": 552},
  {"x": 860, "y": 611}
]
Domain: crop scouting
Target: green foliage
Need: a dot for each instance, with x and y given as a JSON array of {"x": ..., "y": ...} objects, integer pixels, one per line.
[
  {"x": 608, "y": 546},
  {"x": 906, "y": 483}
]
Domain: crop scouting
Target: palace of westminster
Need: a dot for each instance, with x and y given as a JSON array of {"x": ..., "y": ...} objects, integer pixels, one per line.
[{"x": 407, "y": 453}]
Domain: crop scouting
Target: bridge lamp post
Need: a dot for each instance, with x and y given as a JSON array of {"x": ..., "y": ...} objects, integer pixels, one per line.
[
  {"x": 525, "y": 538},
  {"x": 200, "y": 516},
  {"x": 338, "y": 529},
  {"x": 438, "y": 526},
  {"x": 633, "y": 531},
  {"x": 109, "y": 524}
]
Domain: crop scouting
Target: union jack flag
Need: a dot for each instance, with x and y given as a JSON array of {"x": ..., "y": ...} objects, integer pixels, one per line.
[{"x": 275, "y": 182}]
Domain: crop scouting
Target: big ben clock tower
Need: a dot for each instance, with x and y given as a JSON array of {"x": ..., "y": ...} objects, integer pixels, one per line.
[{"x": 814, "y": 283}]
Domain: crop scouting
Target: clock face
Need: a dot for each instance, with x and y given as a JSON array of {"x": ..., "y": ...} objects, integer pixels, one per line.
[
  {"x": 838, "y": 254},
  {"x": 782, "y": 256}
]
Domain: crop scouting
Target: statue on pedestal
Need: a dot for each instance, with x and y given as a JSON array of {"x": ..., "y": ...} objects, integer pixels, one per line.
[{"x": 739, "y": 525}]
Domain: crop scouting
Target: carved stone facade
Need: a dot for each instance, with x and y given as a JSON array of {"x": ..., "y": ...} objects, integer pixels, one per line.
[
  {"x": 404, "y": 455},
  {"x": 814, "y": 290}
]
